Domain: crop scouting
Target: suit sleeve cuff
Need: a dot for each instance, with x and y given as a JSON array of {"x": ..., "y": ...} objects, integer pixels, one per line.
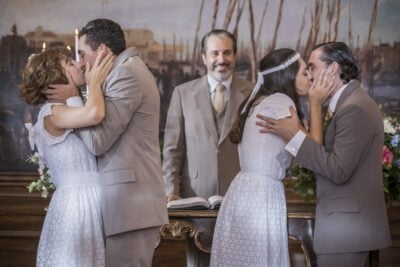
[
  {"x": 74, "y": 101},
  {"x": 295, "y": 143}
]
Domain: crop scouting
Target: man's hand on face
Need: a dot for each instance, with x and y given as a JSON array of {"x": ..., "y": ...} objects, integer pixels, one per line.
[
  {"x": 285, "y": 128},
  {"x": 61, "y": 92}
]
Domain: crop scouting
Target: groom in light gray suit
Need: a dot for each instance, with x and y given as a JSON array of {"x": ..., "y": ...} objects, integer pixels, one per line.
[
  {"x": 351, "y": 216},
  {"x": 198, "y": 157},
  {"x": 127, "y": 148}
]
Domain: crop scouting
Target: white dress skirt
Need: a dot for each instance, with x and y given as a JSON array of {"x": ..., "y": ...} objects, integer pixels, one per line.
[
  {"x": 72, "y": 233},
  {"x": 251, "y": 228}
]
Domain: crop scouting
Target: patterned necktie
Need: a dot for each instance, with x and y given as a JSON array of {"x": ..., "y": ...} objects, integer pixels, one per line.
[{"x": 218, "y": 101}]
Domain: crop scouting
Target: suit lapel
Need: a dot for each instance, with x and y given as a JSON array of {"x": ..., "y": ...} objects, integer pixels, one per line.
[
  {"x": 353, "y": 85},
  {"x": 347, "y": 92},
  {"x": 237, "y": 95},
  {"x": 203, "y": 102}
]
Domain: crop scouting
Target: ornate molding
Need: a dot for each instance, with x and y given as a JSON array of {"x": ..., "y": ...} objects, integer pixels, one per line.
[
  {"x": 178, "y": 229},
  {"x": 303, "y": 246},
  {"x": 181, "y": 229}
]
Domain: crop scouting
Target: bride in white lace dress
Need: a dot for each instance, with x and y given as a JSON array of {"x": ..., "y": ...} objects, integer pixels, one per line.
[
  {"x": 72, "y": 233},
  {"x": 251, "y": 228}
]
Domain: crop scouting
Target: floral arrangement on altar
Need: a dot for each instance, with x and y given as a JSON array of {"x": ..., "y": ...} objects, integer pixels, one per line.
[
  {"x": 43, "y": 183},
  {"x": 303, "y": 180},
  {"x": 391, "y": 158}
]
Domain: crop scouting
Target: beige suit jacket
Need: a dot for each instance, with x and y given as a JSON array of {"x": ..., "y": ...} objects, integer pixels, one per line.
[
  {"x": 127, "y": 146},
  {"x": 351, "y": 214},
  {"x": 196, "y": 161}
]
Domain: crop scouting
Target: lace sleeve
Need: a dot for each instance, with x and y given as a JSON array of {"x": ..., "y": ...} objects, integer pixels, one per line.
[
  {"x": 276, "y": 106},
  {"x": 46, "y": 110}
]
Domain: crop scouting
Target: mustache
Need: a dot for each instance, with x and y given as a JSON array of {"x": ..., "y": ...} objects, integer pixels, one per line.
[{"x": 224, "y": 64}]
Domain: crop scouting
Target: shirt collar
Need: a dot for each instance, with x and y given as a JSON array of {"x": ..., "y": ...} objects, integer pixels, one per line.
[
  {"x": 335, "y": 98},
  {"x": 213, "y": 83}
]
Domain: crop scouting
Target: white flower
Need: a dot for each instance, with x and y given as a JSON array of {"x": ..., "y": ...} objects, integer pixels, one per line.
[
  {"x": 43, "y": 184},
  {"x": 388, "y": 126},
  {"x": 41, "y": 164}
]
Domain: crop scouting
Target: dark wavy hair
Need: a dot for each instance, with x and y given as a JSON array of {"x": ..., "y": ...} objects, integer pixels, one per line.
[
  {"x": 42, "y": 70},
  {"x": 217, "y": 32},
  {"x": 282, "y": 81},
  {"x": 340, "y": 53},
  {"x": 104, "y": 31}
]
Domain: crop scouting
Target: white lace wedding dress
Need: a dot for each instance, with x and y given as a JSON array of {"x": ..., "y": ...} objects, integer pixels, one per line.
[
  {"x": 251, "y": 228},
  {"x": 72, "y": 234}
]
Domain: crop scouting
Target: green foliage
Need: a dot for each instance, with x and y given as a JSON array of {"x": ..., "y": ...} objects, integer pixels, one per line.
[
  {"x": 302, "y": 182},
  {"x": 391, "y": 159},
  {"x": 43, "y": 183}
]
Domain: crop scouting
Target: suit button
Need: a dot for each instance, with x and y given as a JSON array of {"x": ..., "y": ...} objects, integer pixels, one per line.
[{"x": 219, "y": 151}]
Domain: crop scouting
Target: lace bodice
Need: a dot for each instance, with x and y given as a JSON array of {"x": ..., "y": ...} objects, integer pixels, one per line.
[
  {"x": 260, "y": 153},
  {"x": 63, "y": 155}
]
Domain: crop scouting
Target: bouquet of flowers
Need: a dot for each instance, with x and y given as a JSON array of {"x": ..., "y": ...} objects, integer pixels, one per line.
[
  {"x": 303, "y": 180},
  {"x": 43, "y": 183}
]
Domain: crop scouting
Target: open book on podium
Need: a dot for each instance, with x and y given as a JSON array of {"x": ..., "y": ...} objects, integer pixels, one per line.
[{"x": 212, "y": 202}]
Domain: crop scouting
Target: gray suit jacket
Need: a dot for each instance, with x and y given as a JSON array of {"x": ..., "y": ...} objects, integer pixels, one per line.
[
  {"x": 196, "y": 162},
  {"x": 127, "y": 146},
  {"x": 351, "y": 214}
]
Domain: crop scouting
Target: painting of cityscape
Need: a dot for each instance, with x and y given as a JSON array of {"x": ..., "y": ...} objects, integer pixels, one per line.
[{"x": 168, "y": 34}]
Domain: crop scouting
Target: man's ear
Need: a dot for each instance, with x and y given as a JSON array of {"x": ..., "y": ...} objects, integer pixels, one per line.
[
  {"x": 334, "y": 68},
  {"x": 203, "y": 56},
  {"x": 105, "y": 48}
]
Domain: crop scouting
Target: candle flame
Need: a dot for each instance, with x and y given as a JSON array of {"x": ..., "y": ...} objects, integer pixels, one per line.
[{"x": 76, "y": 45}]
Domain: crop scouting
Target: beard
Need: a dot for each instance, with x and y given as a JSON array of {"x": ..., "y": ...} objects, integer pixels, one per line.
[{"x": 222, "y": 71}]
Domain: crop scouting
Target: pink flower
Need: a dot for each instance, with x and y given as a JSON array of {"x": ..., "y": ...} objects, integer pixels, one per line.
[{"x": 387, "y": 156}]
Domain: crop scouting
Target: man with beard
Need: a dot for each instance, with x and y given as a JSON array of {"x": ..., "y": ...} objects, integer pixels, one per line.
[{"x": 198, "y": 157}]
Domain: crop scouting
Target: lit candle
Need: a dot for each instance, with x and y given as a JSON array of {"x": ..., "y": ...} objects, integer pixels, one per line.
[
  {"x": 43, "y": 46},
  {"x": 68, "y": 47},
  {"x": 76, "y": 45}
]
